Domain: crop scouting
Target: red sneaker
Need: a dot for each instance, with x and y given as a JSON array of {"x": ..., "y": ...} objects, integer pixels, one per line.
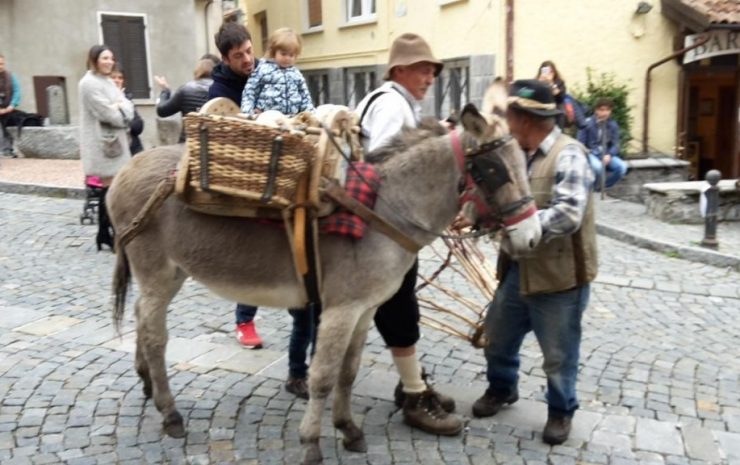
[{"x": 246, "y": 334}]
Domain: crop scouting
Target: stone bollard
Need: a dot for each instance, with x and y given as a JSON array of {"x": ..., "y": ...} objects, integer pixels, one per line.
[{"x": 710, "y": 218}]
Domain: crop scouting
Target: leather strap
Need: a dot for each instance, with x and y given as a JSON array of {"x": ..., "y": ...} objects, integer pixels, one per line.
[
  {"x": 163, "y": 190},
  {"x": 338, "y": 194}
]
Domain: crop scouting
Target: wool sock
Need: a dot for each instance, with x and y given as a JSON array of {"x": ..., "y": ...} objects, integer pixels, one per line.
[{"x": 410, "y": 372}]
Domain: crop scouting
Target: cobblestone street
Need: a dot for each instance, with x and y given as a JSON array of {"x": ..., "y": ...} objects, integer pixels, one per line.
[{"x": 659, "y": 379}]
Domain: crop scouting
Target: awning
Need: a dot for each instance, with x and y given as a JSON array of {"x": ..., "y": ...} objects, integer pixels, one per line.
[{"x": 701, "y": 15}]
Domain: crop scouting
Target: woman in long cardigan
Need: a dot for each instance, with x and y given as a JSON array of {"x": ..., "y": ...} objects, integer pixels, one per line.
[{"x": 105, "y": 114}]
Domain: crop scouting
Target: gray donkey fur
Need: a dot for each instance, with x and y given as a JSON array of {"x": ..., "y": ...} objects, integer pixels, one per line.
[{"x": 246, "y": 261}]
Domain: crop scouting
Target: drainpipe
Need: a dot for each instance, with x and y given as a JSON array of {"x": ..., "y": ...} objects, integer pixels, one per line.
[
  {"x": 509, "y": 41},
  {"x": 646, "y": 104},
  {"x": 208, "y": 33}
]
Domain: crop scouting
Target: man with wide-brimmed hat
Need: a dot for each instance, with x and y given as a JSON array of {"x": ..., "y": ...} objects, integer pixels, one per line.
[
  {"x": 547, "y": 290},
  {"x": 383, "y": 114}
]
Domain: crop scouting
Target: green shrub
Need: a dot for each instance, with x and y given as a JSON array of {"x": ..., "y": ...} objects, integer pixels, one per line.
[{"x": 605, "y": 85}]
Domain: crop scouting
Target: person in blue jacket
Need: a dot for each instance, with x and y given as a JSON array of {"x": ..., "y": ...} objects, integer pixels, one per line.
[
  {"x": 10, "y": 98},
  {"x": 601, "y": 138},
  {"x": 277, "y": 84}
]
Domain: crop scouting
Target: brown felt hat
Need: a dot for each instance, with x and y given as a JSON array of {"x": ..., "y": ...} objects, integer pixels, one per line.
[{"x": 408, "y": 49}]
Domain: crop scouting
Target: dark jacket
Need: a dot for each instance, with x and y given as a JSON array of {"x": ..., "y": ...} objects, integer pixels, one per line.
[
  {"x": 227, "y": 83},
  {"x": 135, "y": 128},
  {"x": 590, "y": 137},
  {"x": 188, "y": 98}
]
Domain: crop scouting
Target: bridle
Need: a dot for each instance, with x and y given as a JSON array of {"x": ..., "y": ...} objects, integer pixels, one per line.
[
  {"x": 466, "y": 183},
  {"x": 495, "y": 177}
]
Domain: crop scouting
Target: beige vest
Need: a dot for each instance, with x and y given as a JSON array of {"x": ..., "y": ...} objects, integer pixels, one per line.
[{"x": 564, "y": 262}]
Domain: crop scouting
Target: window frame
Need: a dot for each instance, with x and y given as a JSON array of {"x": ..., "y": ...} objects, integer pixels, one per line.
[
  {"x": 325, "y": 85},
  {"x": 366, "y": 15},
  {"x": 349, "y": 87},
  {"x": 307, "y": 28},
  {"x": 442, "y": 86},
  {"x": 147, "y": 51}
]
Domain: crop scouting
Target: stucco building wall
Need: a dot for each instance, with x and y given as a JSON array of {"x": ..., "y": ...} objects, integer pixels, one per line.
[
  {"x": 51, "y": 38},
  {"x": 607, "y": 36}
]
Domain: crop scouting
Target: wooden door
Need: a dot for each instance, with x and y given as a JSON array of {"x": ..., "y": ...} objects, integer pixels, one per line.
[{"x": 712, "y": 126}]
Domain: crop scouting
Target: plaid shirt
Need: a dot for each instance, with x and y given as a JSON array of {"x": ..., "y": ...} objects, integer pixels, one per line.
[
  {"x": 344, "y": 223},
  {"x": 574, "y": 181}
]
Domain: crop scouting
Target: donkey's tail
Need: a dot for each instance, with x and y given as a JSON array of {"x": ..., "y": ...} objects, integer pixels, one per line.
[
  {"x": 122, "y": 273},
  {"x": 121, "y": 281}
]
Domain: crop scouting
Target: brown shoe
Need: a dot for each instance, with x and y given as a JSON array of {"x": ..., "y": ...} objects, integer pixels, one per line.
[
  {"x": 489, "y": 404},
  {"x": 297, "y": 386},
  {"x": 424, "y": 411},
  {"x": 557, "y": 429},
  {"x": 447, "y": 402}
]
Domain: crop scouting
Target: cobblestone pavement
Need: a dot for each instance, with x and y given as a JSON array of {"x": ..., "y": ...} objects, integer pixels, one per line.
[
  {"x": 659, "y": 380},
  {"x": 633, "y": 219}
]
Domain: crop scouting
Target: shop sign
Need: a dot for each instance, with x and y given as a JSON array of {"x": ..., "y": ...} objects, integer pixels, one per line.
[{"x": 721, "y": 42}]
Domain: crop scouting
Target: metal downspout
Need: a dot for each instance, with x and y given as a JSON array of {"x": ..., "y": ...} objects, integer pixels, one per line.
[
  {"x": 509, "y": 41},
  {"x": 208, "y": 33},
  {"x": 646, "y": 104}
]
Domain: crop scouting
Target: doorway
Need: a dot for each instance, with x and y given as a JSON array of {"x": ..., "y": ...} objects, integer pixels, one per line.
[{"x": 711, "y": 122}]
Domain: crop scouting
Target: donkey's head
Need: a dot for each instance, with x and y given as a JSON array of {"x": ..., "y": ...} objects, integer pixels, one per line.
[{"x": 497, "y": 166}]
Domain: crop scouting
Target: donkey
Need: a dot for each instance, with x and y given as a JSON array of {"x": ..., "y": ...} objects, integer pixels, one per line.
[{"x": 247, "y": 261}]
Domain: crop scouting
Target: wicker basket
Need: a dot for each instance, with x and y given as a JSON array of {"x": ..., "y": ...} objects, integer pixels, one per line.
[{"x": 238, "y": 156}]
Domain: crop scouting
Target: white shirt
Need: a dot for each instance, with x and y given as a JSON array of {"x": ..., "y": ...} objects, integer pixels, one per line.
[{"x": 388, "y": 114}]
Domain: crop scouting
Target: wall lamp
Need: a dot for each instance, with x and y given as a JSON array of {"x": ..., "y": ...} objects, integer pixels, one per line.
[{"x": 643, "y": 8}]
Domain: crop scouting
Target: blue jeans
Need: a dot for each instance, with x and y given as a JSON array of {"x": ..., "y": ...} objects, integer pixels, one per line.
[
  {"x": 615, "y": 170},
  {"x": 245, "y": 313},
  {"x": 305, "y": 325},
  {"x": 555, "y": 319}
]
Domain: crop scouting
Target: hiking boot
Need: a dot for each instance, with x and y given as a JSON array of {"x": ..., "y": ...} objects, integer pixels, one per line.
[
  {"x": 246, "y": 334},
  {"x": 422, "y": 410},
  {"x": 297, "y": 386},
  {"x": 447, "y": 402},
  {"x": 557, "y": 429},
  {"x": 489, "y": 404}
]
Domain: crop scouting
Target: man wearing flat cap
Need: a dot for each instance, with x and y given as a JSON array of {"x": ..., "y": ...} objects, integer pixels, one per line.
[
  {"x": 547, "y": 290},
  {"x": 383, "y": 114}
]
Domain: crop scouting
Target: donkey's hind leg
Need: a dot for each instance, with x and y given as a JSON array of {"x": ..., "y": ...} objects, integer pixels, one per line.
[
  {"x": 158, "y": 287},
  {"x": 335, "y": 331},
  {"x": 142, "y": 367},
  {"x": 354, "y": 438}
]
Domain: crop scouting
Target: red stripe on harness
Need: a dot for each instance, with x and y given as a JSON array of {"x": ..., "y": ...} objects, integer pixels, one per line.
[{"x": 520, "y": 217}]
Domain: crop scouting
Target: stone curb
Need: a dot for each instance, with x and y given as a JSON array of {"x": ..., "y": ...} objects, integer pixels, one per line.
[
  {"x": 42, "y": 190},
  {"x": 693, "y": 254}
]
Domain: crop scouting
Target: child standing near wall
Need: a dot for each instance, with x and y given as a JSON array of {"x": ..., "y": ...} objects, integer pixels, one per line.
[{"x": 276, "y": 83}]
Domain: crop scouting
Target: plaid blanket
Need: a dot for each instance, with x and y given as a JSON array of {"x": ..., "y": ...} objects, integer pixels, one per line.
[{"x": 363, "y": 189}]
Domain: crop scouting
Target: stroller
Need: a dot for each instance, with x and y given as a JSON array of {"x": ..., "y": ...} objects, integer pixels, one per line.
[{"x": 93, "y": 193}]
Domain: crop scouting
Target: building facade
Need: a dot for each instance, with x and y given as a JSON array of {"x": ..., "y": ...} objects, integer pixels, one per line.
[
  {"x": 46, "y": 42},
  {"x": 346, "y": 44}
]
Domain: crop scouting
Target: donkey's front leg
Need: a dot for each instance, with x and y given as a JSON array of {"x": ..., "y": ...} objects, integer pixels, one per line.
[
  {"x": 354, "y": 438},
  {"x": 335, "y": 331}
]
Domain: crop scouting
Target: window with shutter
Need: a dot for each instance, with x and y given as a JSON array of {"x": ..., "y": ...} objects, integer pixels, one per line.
[
  {"x": 126, "y": 36},
  {"x": 318, "y": 85},
  {"x": 358, "y": 82},
  {"x": 314, "y": 13},
  {"x": 451, "y": 88}
]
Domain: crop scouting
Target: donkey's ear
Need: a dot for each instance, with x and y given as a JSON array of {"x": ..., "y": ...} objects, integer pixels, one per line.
[{"x": 473, "y": 121}]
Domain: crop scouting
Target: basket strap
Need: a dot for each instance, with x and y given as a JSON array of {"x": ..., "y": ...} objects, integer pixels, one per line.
[
  {"x": 334, "y": 191},
  {"x": 275, "y": 154}
]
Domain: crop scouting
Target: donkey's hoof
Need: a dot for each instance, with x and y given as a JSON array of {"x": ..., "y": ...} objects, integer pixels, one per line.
[
  {"x": 312, "y": 454},
  {"x": 173, "y": 425},
  {"x": 355, "y": 445}
]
